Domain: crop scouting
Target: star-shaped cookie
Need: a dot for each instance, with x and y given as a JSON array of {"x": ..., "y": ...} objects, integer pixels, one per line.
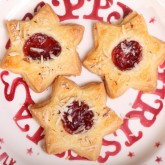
[
  {"x": 75, "y": 118},
  {"x": 43, "y": 48},
  {"x": 125, "y": 55}
]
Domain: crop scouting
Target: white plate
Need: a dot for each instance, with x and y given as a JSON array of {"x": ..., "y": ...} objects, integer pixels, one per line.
[{"x": 140, "y": 142}]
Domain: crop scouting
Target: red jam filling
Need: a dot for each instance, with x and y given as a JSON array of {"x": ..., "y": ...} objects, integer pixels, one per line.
[
  {"x": 78, "y": 118},
  {"x": 127, "y": 54},
  {"x": 40, "y": 45}
]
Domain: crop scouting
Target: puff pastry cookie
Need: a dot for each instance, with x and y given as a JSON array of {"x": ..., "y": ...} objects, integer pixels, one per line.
[
  {"x": 75, "y": 118},
  {"x": 42, "y": 48},
  {"x": 125, "y": 55}
]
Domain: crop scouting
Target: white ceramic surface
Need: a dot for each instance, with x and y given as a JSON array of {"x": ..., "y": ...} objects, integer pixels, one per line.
[{"x": 16, "y": 127}]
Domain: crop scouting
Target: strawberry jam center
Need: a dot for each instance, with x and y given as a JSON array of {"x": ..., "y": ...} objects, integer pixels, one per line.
[
  {"x": 126, "y": 55},
  {"x": 40, "y": 46},
  {"x": 78, "y": 118}
]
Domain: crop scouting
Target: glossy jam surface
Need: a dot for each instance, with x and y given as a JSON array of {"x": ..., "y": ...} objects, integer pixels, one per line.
[
  {"x": 41, "y": 46},
  {"x": 127, "y": 54},
  {"x": 77, "y": 118}
]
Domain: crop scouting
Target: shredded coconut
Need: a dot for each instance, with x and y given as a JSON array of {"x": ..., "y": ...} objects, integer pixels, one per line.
[
  {"x": 13, "y": 54},
  {"x": 52, "y": 56},
  {"x": 125, "y": 48},
  {"x": 38, "y": 50},
  {"x": 18, "y": 26},
  {"x": 123, "y": 29}
]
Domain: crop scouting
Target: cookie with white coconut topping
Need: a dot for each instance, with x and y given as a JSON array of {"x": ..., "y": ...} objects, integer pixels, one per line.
[
  {"x": 42, "y": 48},
  {"x": 125, "y": 55},
  {"x": 75, "y": 118}
]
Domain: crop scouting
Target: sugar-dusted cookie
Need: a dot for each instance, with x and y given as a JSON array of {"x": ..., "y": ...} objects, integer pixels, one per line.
[
  {"x": 75, "y": 118},
  {"x": 125, "y": 55},
  {"x": 42, "y": 49}
]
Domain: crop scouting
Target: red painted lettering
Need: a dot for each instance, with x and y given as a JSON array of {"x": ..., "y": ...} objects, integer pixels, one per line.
[
  {"x": 9, "y": 95},
  {"x": 39, "y": 6},
  {"x": 117, "y": 15},
  {"x": 160, "y": 92},
  {"x": 61, "y": 155},
  {"x": 27, "y": 17},
  {"x": 21, "y": 116},
  {"x": 7, "y": 46},
  {"x": 72, "y": 157},
  {"x": 96, "y": 7},
  {"x": 140, "y": 114},
  {"x": 161, "y": 76},
  {"x": 4, "y": 156},
  {"x": 145, "y": 108},
  {"x": 126, "y": 9},
  {"x": 114, "y": 14},
  {"x": 162, "y": 65},
  {"x": 129, "y": 134},
  {"x": 38, "y": 136},
  {"x": 117, "y": 149},
  {"x": 69, "y": 7}
]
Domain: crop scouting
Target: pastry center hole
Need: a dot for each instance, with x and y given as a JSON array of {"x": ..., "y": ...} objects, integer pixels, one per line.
[
  {"x": 77, "y": 117},
  {"x": 40, "y": 46},
  {"x": 127, "y": 54}
]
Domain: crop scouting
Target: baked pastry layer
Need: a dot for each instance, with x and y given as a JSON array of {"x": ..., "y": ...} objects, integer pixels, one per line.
[
  {"x": 86, "y": 140},
  {"x": 40, "y": 73},
  {"x": 143, "y": 74}
]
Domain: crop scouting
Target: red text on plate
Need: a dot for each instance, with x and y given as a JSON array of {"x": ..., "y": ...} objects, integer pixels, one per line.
[{"x": 70, "y": 7}]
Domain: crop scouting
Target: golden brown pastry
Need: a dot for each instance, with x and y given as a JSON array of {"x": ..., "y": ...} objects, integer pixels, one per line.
[
  {"x": 75, "y": 118},
  {"x": 42, "y": 49},
  {"x": 125, "y": 55}
]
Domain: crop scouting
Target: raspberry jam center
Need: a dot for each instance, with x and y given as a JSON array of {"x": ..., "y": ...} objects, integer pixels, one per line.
[
  {"x": 41, "y": 46},
  {"x": 127, "y": 54},
  {"x": 77, "y": 118}
]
